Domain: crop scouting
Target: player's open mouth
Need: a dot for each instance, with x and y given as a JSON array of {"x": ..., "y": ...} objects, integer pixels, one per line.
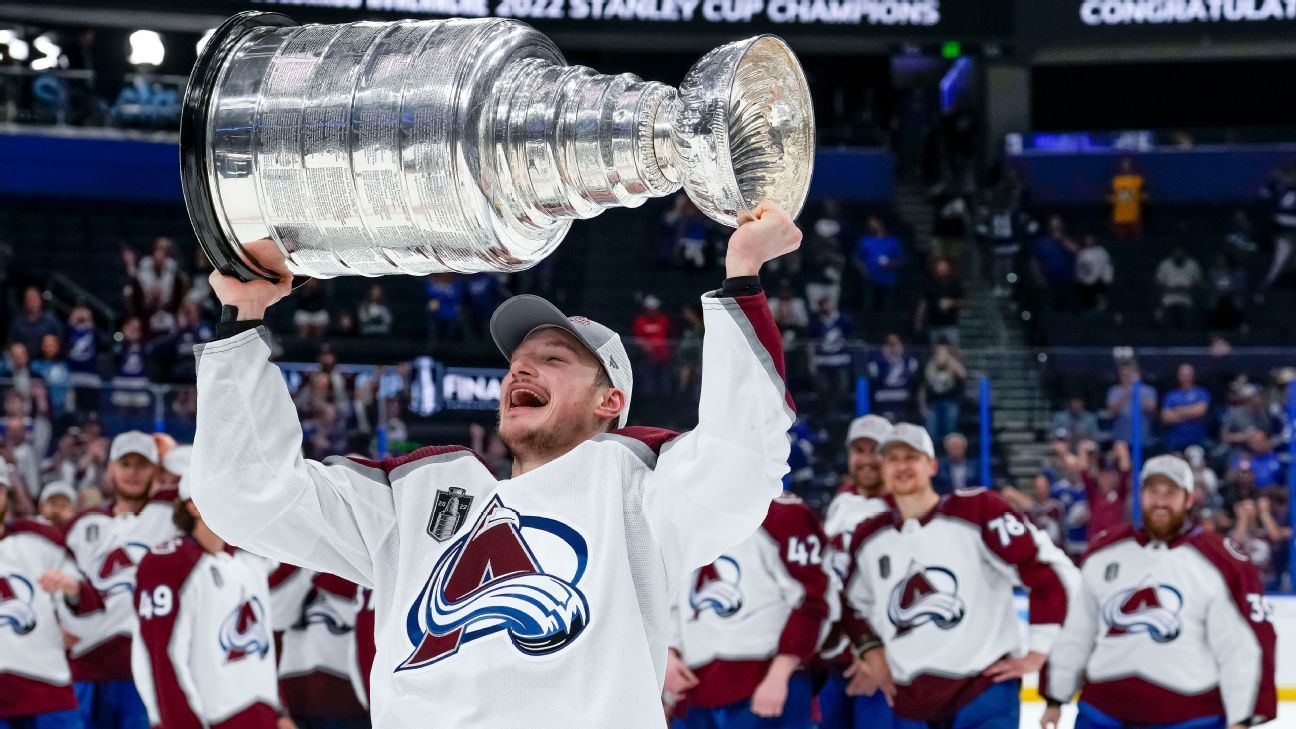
[{"x": 522, "y": 396}]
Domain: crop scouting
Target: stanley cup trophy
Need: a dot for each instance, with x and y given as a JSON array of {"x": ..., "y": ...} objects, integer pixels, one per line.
[{"x": 465, "y": 145}]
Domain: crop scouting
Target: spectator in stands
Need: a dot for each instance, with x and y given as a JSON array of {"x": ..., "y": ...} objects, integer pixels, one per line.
[
  {"x": 1184, "y": 411},
  {"x": 1178, "y": 277},
  {"x": 825, "y": 260},
  {"x": 1004, "y": 226},
  {"x": 1258, "y": 458},
  {"x": 157, "y": 275},
  {"x": 941, "y": 396},
  {"x": 1046, "y": 512},
  {"x": 53, "y": 369},
  {"x": 1204, "y": 477},
  {"x": 790, "y": 312},
  {"x": 956, "y": 471},
  {"x": 192, "y": 328},
  {"x": 1247, "y": 411},
  {"x": 325, "y": 434},
  {"x": 1107, "y": 486},
  {"x": 879, "y": 257},
  {"x": 938, "y": 310},
  {"x": 1127, "y": 197},
  {"x": 483, "y": 293},
  {"x": 1261, "y": 537},
  {"x": 893, "y": 380},
  {"x": 1068, "y": 489},
  {"x": 82, "y": 346},
  {"x": 685, "y": 235},
  {"x": 831, "y": 360},
  {"x": 311, "y": 318},
  {"x": 1242, "y": 238},
  {"x": 1076, "y": 422},
  {"x": 652, "y": 333},
  {"x": 33, "y": 322},
  {"x": 130, "y": 380},
  {"x": 1227, "y": 283},
  {"x": 1054, "y": 264},
  {"x": 1279, "y": 193},
  {"x": 22, "y": 456},
  {"x": 374, "y": 316},
  {"x": 445, "y": 294},
  {"x": 689, "y": 350},
  {"x": 1094, "y": 274},
  {"x": 17, "y": 367},
  {"x": 1120, "y": 398}
]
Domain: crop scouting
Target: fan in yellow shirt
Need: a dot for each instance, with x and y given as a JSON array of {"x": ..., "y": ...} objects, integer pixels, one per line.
[{"x": 1127, "y": 197}]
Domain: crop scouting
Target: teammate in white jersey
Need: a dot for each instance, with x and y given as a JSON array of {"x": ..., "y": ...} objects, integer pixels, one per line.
[
  {"x": 748, "y": 624},
  {"x": 108, "y": 542},
  {"x": 203, "y": 654},
  {"x": 931, "y": 585},
  {"x": 859, "y": 498},
  {"x": 540, "y": 600},
  {"x": 35, "y": 572},
  {"x": 1171, "y": 628}
]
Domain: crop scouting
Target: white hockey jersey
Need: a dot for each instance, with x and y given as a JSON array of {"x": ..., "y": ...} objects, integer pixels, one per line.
[
  {"x": 846, "y": 512},
  {"x": 938, "y": 592},
  {"x": 496, "y": 597},
  {"x": 34, "y": 674},
  {"x": 763, "y": 597},
  {"x": 361, "y": 657},
  {"x": 315, "y": 665},
  {"x": 203, "y": 655},
  {"x": 107, "y": 548},
  {"x": 1167, "y": 632}
]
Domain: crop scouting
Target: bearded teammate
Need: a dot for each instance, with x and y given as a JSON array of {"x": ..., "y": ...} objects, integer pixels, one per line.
[
  {"x": 108, "y": 542},
  {"x": 539, "y": 600},
  {"x": 1171, "y": 628},
  {"x": 929, "y": 594},
  {"x": 35, "y": 571},
  {"x": 859, "y": 498},
  {"x": 203, "y": 654},
  {"x": 749, "y": 624}
]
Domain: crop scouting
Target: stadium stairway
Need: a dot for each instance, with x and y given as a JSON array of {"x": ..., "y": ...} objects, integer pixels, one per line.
[{"x": 994, "y": 346}]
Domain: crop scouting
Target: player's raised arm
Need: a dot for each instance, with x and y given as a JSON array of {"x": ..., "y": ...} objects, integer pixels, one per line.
[
  {"x": 250, "y": 480},
  {"x": 712, "y": 486}
]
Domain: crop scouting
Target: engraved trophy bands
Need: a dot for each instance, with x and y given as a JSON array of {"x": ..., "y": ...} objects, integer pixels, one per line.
[{"x": 465, "y": 145}]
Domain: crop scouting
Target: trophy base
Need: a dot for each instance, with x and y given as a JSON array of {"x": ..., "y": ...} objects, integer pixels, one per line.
[{"x": 225, "y": 256}]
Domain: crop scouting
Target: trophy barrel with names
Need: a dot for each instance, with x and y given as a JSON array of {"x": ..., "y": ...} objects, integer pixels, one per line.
[{"x": 464, "y": 145}]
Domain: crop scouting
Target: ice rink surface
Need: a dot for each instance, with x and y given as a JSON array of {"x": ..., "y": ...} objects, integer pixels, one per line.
[{"x": 1032, "y": 710}]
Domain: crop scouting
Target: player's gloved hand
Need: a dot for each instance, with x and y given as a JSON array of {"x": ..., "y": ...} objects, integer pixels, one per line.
[
  {"x": 253, "y": 297},
  {"x": 679, "y": 679},
  {"x": 55, "y": 581},
  {"x": 1008, "y": 669},
  {"x": 1052, "y": 715},
  {"x": 770, "y": 234}
]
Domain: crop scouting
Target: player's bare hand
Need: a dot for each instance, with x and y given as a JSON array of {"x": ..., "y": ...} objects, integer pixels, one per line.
[
  {"x": 253, "y": 297},
  {"x": 772, "y": 692},
  {"x": 679, "y": 679},
  {"x": 1052, "y": 715},
  {"x": 285, "y": 722},
  {"x": 877, "y": 674},
  {"x": 69, "y": 639},
  {"x": 768, "y": 234},
  {"x": 1009, "y": 669},
  {"x": 55, "y": 581},
  {"x": 861, "y": 680}
]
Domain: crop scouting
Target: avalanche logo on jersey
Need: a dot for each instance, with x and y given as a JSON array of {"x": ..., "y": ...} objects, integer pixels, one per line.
[
  {"x": 115, "y": 570},
  {"x": 244, "y": 631},
  {"x": 1148, "y": 607},
  {"x": 320, "y": 611},
  {"x": 716, "y": 588},
  {"x": 493, "y": 579},
  {"x": 16, "y": 612},
  {"x": 925, "y": 595}
]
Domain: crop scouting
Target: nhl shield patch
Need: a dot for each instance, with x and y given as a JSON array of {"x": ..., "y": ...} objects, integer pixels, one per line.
[{"x": 449, "y": 512}]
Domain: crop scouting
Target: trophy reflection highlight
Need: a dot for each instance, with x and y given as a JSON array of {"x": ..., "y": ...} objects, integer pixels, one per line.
[{"x": 465, "y": 145}]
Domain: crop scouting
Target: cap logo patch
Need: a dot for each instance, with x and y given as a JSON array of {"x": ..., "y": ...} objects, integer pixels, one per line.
[{"x": 579, "y": 320}]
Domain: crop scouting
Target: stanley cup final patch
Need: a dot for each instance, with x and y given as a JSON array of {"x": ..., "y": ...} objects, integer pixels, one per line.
[{"x": 449, "y": 513}]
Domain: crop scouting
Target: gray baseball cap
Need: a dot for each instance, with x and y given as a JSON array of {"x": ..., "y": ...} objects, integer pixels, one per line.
[
  {"x": 874, "y": 427},
  {"x": 1172, "y": 467},
  {"x": 518, "y": 317},
  {"x": 914, "y": 436}
]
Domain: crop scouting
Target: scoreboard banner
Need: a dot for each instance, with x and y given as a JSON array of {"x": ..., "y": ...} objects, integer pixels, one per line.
[{"x": 1064, "y": 22}]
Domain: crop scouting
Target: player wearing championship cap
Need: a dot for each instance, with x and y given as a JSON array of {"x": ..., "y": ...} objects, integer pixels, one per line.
[
  {"x": 929, "y": 595},
  {"x": 859, "y": 498},
  {"x": 36, "y": 573},
  {"x": 540, "y": 600},
  {"x": 57, "y": 505},
  {"x": 1171, "y": 627},
  {"x": 108, "y": 542},
  {"x": 748, "y": 624},
  {"x": 203, "y": 652}
]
